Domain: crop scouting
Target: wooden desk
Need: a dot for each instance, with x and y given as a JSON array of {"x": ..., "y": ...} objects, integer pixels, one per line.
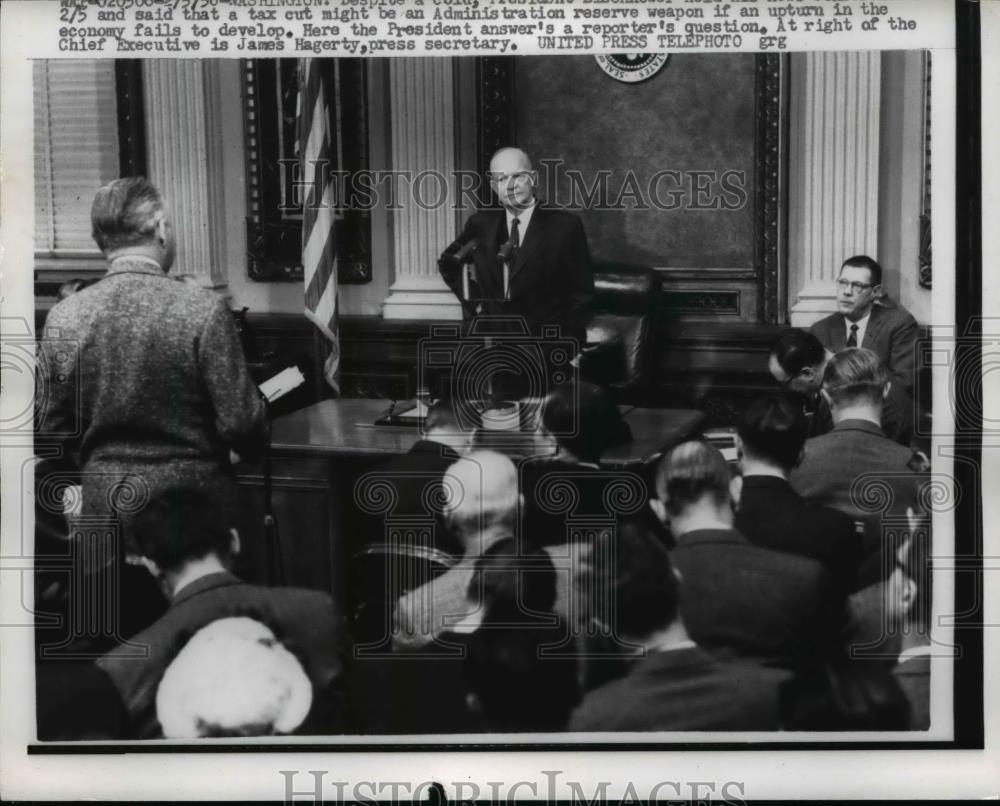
[
  {"x": 318, "y": 454},
  {"x": 346, "y": 428}
]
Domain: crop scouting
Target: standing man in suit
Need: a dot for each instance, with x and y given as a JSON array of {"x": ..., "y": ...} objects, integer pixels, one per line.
[
  {"x": 547, "y": 280},
  {"x": 863, "y": 321},
  {"x": 770, "y": 438},
  {"x": 740, "y": 600},
  {"x": 142, "y": 381}
]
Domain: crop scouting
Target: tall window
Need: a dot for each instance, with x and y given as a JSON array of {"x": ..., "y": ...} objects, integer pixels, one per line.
[
  {"x": 76, "y": 151},
  {"x": 88, "y": 124}
]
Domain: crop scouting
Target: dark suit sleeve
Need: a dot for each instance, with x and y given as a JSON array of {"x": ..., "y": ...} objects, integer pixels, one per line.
[
  {"x": 822, "y": 330},
  {"x": 579, "y": 281},
  {"x": 57, "y": 396},
  {"x": 902, "y": 351},
  {"x": 240, "y": 412},
  {"x": 451, "y": 270}
]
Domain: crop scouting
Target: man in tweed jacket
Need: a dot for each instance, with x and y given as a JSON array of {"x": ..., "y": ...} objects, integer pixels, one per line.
[{"x": 141, "y": 378}]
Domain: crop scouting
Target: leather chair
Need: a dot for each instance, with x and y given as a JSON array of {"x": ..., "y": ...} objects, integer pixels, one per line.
[{"x": 620, "y": 332}]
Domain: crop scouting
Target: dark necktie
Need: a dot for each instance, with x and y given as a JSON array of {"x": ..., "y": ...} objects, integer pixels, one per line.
[
  {"x": 852, "y": 340},
  {"x": 515, "y": 237}
]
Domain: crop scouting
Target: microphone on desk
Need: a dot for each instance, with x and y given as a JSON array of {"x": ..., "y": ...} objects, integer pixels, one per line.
[
  {"x": 461, "y": 255},
  {"x": 506, "y": 250},
  {"x": 464, "y": 255}
]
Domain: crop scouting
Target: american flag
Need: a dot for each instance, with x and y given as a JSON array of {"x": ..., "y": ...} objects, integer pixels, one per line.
[{"x": 319, "y": 253}]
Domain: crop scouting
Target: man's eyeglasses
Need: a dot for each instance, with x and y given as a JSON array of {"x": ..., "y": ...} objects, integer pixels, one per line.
[
  {"x": 854, "y": 286},
  {"x": 509, "y": 178}
]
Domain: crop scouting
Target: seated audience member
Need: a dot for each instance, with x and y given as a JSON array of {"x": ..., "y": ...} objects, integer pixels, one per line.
[
  {"x": 856, "y": 468},
  {"x": 481, "y": 510},
  {"x": 233, "y": 678},
  {"x": 740, "y": 600},
  {"x": 797, "y": 361},
  {"x": 579, "y": 422},
  {"x": 415, "y": 474},
  {"x": 516, "y": 679},
  {"x": 863, "y": 319},
  {"x": 670, "y": 682},
  {"x": 909, "y": 609},
  {"x": 184, "y": 542},
  {"x": 770, "y": 438}
]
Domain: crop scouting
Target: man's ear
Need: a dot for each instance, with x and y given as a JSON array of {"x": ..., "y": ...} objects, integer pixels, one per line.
[
  {"x": 659, "y": 509},
  {"x": 234, "y": 542},
  {"x": 473, "y": 704},
  {"x": 908, "y": 594},
  {"x": 162, "y": 234},
  {"x": 736, "y": 490}
]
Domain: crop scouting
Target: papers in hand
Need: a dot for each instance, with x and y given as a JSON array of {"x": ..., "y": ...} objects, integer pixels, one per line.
[{"x": 282, "y": 383}]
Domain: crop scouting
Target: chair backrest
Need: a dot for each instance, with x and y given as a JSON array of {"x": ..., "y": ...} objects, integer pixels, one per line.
[
  {"x": 620, "y": 332},
  {"x": 384, "y": 572}
]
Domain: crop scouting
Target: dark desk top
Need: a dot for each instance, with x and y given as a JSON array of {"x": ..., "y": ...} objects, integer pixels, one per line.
[{"x": 345, "y": 427}]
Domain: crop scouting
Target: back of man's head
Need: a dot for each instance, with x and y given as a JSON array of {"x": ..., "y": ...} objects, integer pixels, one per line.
[
  {"x": 795, "y": 349},
  {"x": 584, "y": 419},
  {"x": 125, "y": 213},
  {"x": 773, "y": 430},
  {"x": 180, "y": 525},
  {"x": 631, "y": 569},
  {"x": 481, "y": 494},
  {"x": 692, "y": 473},
  {"x": 855, "y": 377}
]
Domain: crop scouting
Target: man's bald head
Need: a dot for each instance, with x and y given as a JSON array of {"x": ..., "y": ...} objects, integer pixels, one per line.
[
  {"x": 482, "y": 493},
  {"x": 513, "y": 179},
  {"x": 509, "y": 159}
]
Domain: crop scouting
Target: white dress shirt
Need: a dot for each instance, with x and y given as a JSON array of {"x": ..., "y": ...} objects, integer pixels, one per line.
[{"x": 862, "y": 327}]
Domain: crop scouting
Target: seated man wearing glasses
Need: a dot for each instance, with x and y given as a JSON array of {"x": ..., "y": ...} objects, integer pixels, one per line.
[
  {"x": 864, "y": 320},
  {"x": 528, "y": 259}
]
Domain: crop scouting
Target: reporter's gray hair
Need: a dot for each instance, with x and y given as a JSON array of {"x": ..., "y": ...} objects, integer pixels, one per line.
[
  {"x": 124, "y": 213},
  {"x": 482, "y": 492}
]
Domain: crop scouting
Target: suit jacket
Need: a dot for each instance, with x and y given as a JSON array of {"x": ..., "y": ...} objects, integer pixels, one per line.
[
  {"x": 306, "y": 621},
  {"x": 897, "y": 415},
  {"x": 143, "y": 383},
  {"x": 683, "y": 689},
  {"x": 550, "y": 277},
  {"x": 891, "y": 334},
  {"x": 772, "y": 515},
  {"x": 859, "y": 471},
  {"x": 739, "y": 600},
  {"x": 413, "y": 476}
]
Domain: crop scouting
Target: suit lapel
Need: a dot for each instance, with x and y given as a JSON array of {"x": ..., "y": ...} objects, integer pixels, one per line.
[
  {"x": 489, "y": 272},
  {"x": 874, "y": 325},
  {"x": 838, "y": 338},
  {"x": 531, "y": 241}
]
